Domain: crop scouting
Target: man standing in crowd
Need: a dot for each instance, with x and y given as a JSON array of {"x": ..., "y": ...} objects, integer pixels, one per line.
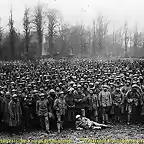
[
  {"x": 15, "y": 114},
  {"x": 43, "y": 109},
  {"x": 5, "y": 111},
  {"x": 118, "y": 99},
  {"x": 105, "y": 101},
  {"x": 60, "y": 107}
]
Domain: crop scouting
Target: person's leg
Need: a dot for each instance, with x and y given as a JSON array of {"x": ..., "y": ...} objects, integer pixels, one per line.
[
  {"x": 138, "y": 114},
  {"x": 106, "y": 114},
  {"x": 129, "y": 113},
  {"x": 103, "y": 115},
  {"x": 47, "y": 123},
  {"x": 58, "y": 123},
  {"x": 62, "y": 121},
  {"x": 83, "y": 112},
  {"x": 69, "y": 115},
  {"x": 95, "y": 113},
  {"x": 41, "y": 122}
]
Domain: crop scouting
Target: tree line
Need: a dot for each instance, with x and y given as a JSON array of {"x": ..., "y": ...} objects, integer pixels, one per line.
[{"x": 60, "y": 39}]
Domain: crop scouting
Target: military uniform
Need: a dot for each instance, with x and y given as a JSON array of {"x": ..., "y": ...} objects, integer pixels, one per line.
[
  {"x": 15, "y": 114},
  {"x": 92, "y": 106},
  {"x": 5, "y": 112},
  {"x": 105, "y": 102},
  {"x": 133, "y": 102},
  {"x": 118, "y": 99},
  {"x": 80, "y": 101},
  {"x": 70, "y": 105},
  {"x": 60, "y": 108},
  {"x": 42, "y": 110}
]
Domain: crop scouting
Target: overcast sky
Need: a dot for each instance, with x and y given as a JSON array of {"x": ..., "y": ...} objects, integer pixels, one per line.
[{"x": 117, "y": 11}]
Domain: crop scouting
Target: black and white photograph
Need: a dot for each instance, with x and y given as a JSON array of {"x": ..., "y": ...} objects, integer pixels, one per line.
[{"x": 71, "y": 71}]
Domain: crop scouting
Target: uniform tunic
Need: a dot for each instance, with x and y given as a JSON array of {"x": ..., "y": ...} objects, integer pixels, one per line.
[
  {"x": 5, "y": 111},
  {"x": 80, "y": 100},
  {"x": 15, "y": 113},
  {"x": 84, "y": 123},
  {"x": 118, "y": 100},
  {"x": 42, "y": 107},
  {"x": 105, "y": 99},
  {"x": 60, "y": 106}
]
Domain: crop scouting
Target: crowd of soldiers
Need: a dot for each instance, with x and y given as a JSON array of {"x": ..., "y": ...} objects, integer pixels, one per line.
[{"x": 44, "y": 95}]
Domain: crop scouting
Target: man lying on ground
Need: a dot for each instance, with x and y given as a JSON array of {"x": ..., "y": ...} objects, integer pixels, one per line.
[{"x": 85, "y": 123}]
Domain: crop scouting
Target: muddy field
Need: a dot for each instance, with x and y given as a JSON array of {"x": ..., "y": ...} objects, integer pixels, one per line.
[{"x": 118, "y": 134}]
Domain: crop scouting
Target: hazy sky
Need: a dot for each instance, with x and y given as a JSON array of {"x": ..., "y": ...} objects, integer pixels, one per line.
[{"x": 117, "y": 11}]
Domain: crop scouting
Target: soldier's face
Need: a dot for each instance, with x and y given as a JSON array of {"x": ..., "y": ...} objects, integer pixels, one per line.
[
  {"x": 105, "y": 89},
  {"x": 79, "y": 89},
  {"x": 14, "y": 99},
  {"x": 62, "y": 95},
  {"x": 7, "y": 96}
]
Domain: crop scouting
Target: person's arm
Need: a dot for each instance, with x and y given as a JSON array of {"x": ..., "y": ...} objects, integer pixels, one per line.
[
  {"x": 20, "y": 109},
  {"x": 99, "y": 99},
  {"x": 122, "y": 97},
  {"x": 55, "y": 104},
  {"x": 49, "y": 106},
  {"x": 78, "y": 125},
  {"x": 110, "y": 98},
  {"x": 84, "y": 98}
]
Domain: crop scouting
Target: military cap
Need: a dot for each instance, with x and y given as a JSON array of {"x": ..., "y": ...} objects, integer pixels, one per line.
[
  {"x": 7, "y": 93},
  {"x": 42, "y": 94},
  {"x": 61, "y": 92},
  {"x": 52, "y": 91},
  {"x": 14, "y": 90},
  {"x": 14, "y": 95}
]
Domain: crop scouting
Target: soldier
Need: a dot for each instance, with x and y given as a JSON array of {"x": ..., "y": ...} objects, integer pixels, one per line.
[
  {"x": 28, "y": 113},
  {"x": 85, "y": 123},
  {"x": 105, "y": 102},
  {"x": 70, "y": 104},
  {"x": 15, "y": 114},
  {"x": 60, "y": 107},
  {"x": 80, "y": 100},
  {"x": 5, "y": 111},
  {"x": 43, "y": 109},
  {"x": 134, "y": 100},
  {"x": 118, "y": 99},
  {"x": 92, "y": 106}
]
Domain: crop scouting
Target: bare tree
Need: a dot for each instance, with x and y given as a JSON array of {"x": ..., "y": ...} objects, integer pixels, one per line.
[
  {"x": 94, "y": 38},
  {"x": 126, "y": 38},
  {"x": 1, "y": 37},
  {"x": 27, "y": 29},
  {"x": 38, "y": 24},
  {"x": 52, "y": 17},
  {"x": 1, "y": 32},
  {"x": 12, "y": 35},
  {"x": 64, "y": 33},
  {"x": 82, "y": 39},
  {"x": 101, "y": 32}
]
